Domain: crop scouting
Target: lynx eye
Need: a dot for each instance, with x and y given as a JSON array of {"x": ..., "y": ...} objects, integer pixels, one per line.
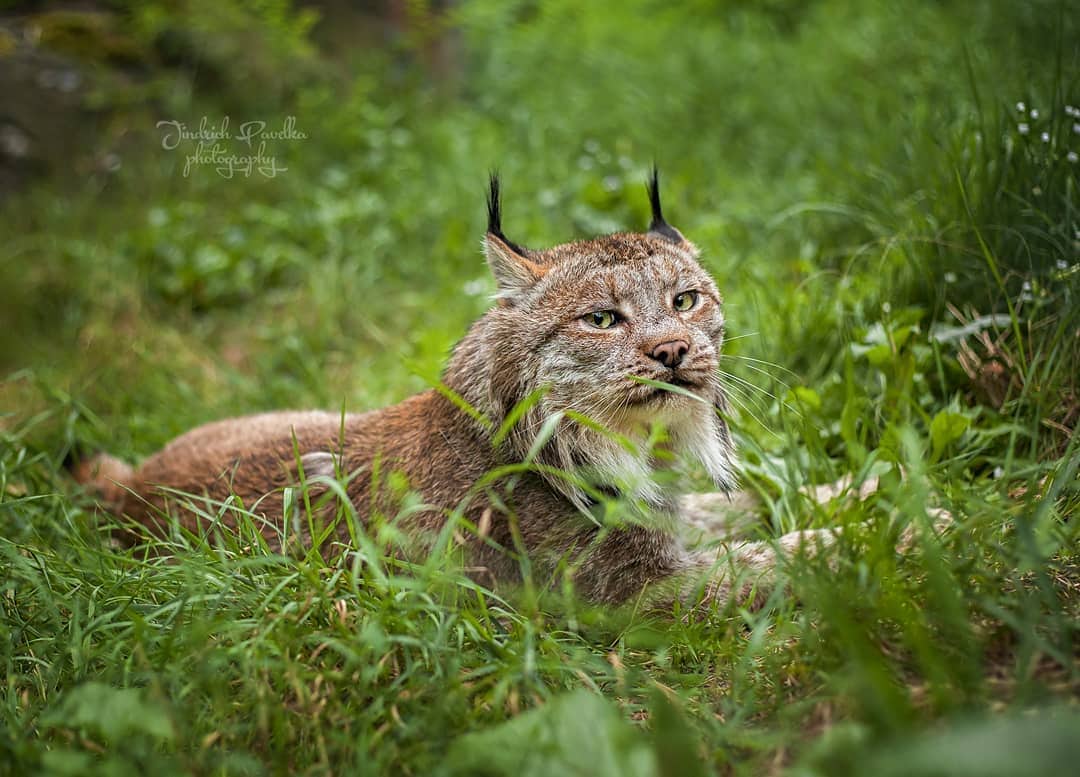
[
  {"x": 602, "y": 319},
  {"x": 685, "y": 301}
]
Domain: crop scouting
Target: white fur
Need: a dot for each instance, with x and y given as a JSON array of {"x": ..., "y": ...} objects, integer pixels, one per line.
[
  {"x": 694, "y": 431},
  {"x": 318, "y": 464}
]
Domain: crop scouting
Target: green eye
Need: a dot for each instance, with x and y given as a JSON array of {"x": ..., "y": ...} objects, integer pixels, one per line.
[
  {"x": 602, "y": 319},
  {"x": 685, "y": 301}
]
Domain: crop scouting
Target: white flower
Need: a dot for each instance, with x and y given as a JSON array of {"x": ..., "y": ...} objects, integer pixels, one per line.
[
  {"x": 1076, "y": 128},
  {"x": 950, "y": 277},
  {"x": 1022, "y": 128},
  {"x": 1061, "y": 264},
  {"x": 1069, "y": 110},
  {"x": 998, "y": 473},
  {"x": 1034, "y": 113},
  {"x": 475, "y": 288},
  {"x": 886, "y": 308},
  {"x": 1072, "y": 157},
  {"x": 1021, "y": 107},
  {"x": 1045, "y": 137},
  {"x": 1026, "y": 286}
]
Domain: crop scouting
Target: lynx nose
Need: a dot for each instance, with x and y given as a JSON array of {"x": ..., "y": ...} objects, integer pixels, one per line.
[{"x": 671, "y": 353}]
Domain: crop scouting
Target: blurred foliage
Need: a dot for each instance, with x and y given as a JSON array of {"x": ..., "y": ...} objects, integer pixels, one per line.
[{"x": 250, "y": 54}]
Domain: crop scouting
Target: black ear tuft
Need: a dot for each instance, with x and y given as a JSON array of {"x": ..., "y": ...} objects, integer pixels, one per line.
[
  {"x": 653, "y": 187},
  {"x": 494, "y": 208},
  {"x": 658, "y": 225}
]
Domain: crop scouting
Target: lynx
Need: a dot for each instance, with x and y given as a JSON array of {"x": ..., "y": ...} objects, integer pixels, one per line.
[{"x": 596, "y": 371}]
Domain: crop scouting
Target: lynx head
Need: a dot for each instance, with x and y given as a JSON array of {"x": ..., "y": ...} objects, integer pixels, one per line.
[{"x": 584, "y": 322}]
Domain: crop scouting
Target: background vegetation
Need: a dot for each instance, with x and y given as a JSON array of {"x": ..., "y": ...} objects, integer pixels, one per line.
[{"x": 887, "y": 195}]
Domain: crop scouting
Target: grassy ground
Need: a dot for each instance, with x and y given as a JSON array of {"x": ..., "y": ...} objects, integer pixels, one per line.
[{"x": 897, "y": 244}]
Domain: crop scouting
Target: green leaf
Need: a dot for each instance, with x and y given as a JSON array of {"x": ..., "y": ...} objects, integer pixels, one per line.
[
  {"x": 1044, "y": 745},
  {"x": 947, "y": 427},
  {"x": 113, "y": 714},
  {"x": 579, "y": 733},
  {"x": 805, "y": 397},
  {"x": 676, "y": 739}
]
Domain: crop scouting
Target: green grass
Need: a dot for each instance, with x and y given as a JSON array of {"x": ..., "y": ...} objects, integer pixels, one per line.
[{"x": 854, "y": 174}]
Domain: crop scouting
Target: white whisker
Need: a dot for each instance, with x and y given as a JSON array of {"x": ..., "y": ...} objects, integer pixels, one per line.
[{"x": 761, "y": 361}]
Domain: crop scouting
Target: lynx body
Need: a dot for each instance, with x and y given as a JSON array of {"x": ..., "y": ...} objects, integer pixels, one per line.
[{"x": 575, "y": 331}]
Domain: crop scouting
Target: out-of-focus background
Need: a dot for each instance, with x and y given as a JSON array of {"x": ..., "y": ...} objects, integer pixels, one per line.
[
  {"x": 825, "y": 148},
  {"x": 210, "y": 208}
]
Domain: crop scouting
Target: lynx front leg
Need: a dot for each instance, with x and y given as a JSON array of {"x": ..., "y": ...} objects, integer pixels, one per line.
[
  {"x": 736, "y": 515},
  {"x": 743, "y": 572},
  {"x": 719, "y": 516},
  {"x": 746, "y": 573}
]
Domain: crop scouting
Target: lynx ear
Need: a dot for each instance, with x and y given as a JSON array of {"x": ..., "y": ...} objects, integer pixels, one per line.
[
  {"x": 514, "y": 270},
  {"x": 658, "y": 227}
]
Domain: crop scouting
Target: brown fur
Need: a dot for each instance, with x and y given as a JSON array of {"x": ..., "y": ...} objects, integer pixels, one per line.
[{"x": 538, "y": 336}]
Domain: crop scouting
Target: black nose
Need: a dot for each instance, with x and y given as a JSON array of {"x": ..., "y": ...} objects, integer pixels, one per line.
[{"x": 671, "y": 353}]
